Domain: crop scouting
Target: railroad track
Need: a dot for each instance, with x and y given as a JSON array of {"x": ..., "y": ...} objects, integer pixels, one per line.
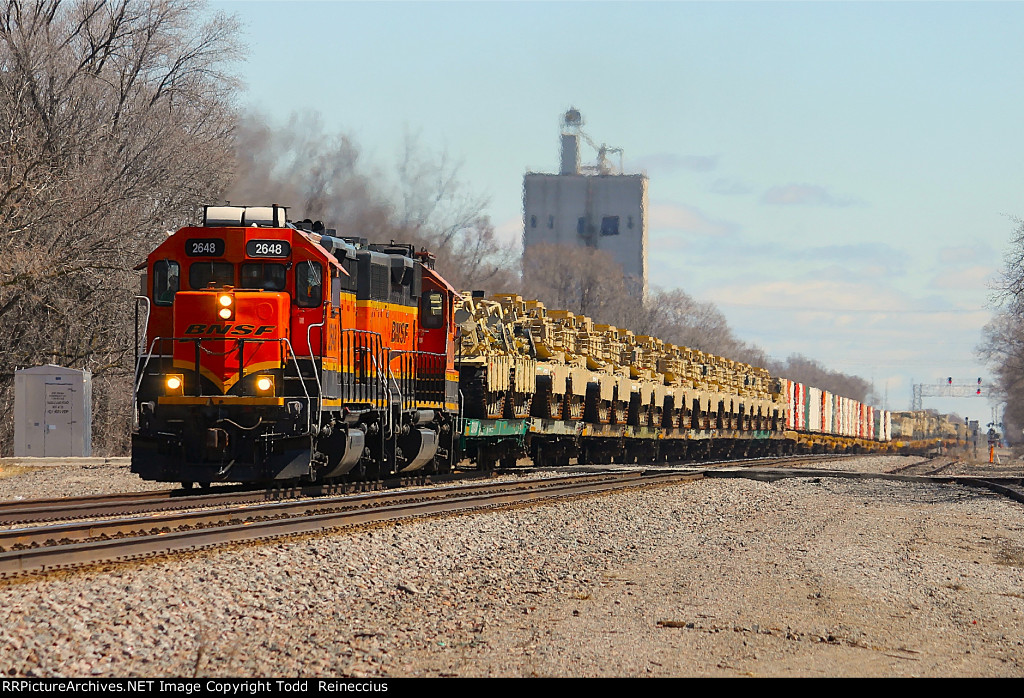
[
  {"x": 1011, "y": 487},
  {"x": 69, "y": 545},
  {"x": 127, "y": 503},
  {"x": 932, "y": 466},
  {"x": 237, "y": 517},
  {"x": 121, "y": 504}
]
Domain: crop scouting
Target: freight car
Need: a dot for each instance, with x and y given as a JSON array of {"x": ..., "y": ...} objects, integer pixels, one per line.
[{"x": 277, "y": 351}]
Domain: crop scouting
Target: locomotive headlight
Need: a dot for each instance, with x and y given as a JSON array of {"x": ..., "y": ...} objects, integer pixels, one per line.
[
  {"x": 226, "y": 303},
  {"x": 174, "y": 384},
  {"x": 265, "y": 384}
]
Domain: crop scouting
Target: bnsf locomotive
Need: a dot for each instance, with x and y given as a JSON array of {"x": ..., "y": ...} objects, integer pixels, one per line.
[{"x": 277, "y": 351}]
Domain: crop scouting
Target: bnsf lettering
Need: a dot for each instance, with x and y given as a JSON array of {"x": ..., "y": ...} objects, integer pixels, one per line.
[
  {"x": 399, "y": 332},
  {"x": 232, "y": 330}
]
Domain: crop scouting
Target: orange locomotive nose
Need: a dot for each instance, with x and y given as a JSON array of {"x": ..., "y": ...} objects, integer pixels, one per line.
[{"x": 228, "y": 334}]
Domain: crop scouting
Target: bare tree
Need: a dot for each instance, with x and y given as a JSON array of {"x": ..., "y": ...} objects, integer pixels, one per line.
[
  {"x": 1002, "y": 346},
  {"x": 583, "y": 280},
  {"x": 810, "y": 372},
  {"x": 319, "y": 175},
  {"x": 116, "y": 122},
  {"x": 432, "y": 201},
  {"x": 1008, "y": 290},
  {"x": 435, "y": 209},
  {"x": 676, "y": 317},
  {"x": 478, "y": 259},
  {"x": 322, "y": 176}
]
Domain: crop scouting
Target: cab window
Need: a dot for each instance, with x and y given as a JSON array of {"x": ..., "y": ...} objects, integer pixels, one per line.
[
  {"x": 201, "y": 274},
  {"x": 432, "y": 315},
  {"x": 309, "y": 285},
  {"x": 166, "y": 281},
  {"x": 269, "y": 276}
]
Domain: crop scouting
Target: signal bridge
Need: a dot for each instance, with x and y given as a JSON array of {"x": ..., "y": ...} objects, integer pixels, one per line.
[{"x": 947, "y": 388}]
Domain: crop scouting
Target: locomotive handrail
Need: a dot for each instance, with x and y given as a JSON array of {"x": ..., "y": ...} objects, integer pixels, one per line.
[
  {"x": 211, "y": 352},
  {"x": 384, "y": 386},
  {"x": 400, "y": 352},
  {"x": 309, "y": 400},
  {"x": 418, "y": 376},
  {"x": 197, "y": 340},
  {"x": 142, "y": 373},
  {"x": 401, "y": 405},
  {"x": 316, "y": 371},
  {"x": 387, "y": 410},
  {"x": 145, "y": 322},
  {"x": 135, "y": 389},
  {"x": 366, "y": 350}
]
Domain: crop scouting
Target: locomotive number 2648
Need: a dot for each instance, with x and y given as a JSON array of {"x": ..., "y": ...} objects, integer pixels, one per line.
[
  {"x": 268, "y": 248},
  {"x": 204, "y": 247}
]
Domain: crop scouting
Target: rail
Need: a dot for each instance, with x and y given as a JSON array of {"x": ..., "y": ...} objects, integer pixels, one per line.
[{"x": 27, "y": 550}]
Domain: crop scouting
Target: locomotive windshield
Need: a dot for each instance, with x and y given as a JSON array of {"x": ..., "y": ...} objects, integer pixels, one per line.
[
  {"x": 269, "y": 276},
  {"x": 202, "y": 274}
]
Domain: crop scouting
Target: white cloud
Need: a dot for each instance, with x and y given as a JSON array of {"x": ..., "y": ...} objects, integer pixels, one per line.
[
  {"x": 670, "y": 216},
  {"x": 969, "y": 278},
  {"x": 805, "y": 195}
]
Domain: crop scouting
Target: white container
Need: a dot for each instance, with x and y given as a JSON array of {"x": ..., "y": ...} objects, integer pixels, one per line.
[{"x": 814, "y": 397}]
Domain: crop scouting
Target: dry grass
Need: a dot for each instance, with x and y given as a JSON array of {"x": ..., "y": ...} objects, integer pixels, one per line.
[{"x": 14, "y": 470}]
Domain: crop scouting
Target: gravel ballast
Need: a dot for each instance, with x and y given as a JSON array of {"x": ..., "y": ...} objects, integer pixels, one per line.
[{"x": 724, "y": 577}]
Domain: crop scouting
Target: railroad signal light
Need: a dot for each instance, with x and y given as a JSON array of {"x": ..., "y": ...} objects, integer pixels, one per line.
[
  {"x": 979, "y": 391},
  {"x": 949, "y": 381}
]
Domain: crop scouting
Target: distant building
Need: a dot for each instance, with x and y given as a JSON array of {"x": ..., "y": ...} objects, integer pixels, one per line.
[{"x": 593, "y": 206}]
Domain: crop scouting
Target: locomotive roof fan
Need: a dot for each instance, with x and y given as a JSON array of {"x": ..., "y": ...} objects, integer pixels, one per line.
[{"x": 244, "y": 216}]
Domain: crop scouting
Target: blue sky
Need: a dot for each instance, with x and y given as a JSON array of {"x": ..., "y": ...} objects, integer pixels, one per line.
[{"x": 837, "y": 177}]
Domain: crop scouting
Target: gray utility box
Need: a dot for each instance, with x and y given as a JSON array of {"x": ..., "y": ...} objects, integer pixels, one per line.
[{"x": 52, "y": 412}]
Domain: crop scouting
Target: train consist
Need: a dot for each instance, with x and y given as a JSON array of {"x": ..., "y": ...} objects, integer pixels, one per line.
[{"x": 276, "y": 350}]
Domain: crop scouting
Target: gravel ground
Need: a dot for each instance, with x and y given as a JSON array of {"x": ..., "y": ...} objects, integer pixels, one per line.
[{"x": 723, "y": 577}]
